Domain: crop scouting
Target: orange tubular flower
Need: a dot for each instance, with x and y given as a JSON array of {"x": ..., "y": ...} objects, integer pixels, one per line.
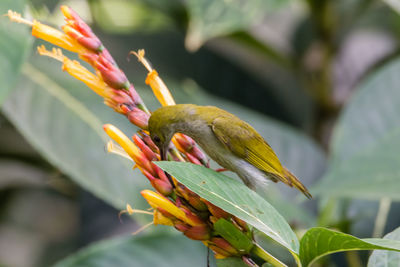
[
  {"x": 56, "y": 37},
  {"x": 48, "y": 33},
  {"x": 142, "y": 156},
  {"x": 158, "y": 201},
  {"x": 80, "y": 31},
  {"x": 174, "y": 204},
  {"x": 158, "y": 86},
  {"x": 133, "y": 151}
]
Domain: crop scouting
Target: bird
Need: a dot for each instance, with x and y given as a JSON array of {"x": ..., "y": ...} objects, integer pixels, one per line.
[{"x": 228, "y": 140}]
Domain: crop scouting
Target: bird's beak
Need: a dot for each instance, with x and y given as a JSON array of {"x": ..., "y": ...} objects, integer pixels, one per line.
[{"x": 164, "y": 153}]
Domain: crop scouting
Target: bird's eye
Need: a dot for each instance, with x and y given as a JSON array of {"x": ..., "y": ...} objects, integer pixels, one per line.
[{"x": 156, "y": 139}]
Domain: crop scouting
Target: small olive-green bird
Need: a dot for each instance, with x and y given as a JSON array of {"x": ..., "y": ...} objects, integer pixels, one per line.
[{"x": 228, "y": 140}]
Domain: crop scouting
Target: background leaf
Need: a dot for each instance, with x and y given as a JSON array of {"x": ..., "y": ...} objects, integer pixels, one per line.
[
  {"x": 385, "y": 258},
  {"x": 235, "y": 198},
  {"x": 13, "y": 48},
  {"x": 366, "y": 141},
  {"x": 318, "y": 242},
  {"x": 208, "y": 18},
  {"x": 395, "y": 4},
  {"x": 70, "y": 136},
  {"x": 150, "y": 250}
]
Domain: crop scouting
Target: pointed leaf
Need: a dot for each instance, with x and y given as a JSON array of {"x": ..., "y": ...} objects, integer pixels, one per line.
[
  {"x": 70, "y": 136},
  {"x": 233, "y": 235},
  {"x": 235, "y": 198},
  {"x": 158, "y": 250},
  {"x": 366, "y": 141},
  {"x": 385, "y": 258},
  {"x": 318, "y": 242},
  {"x": 212, "y": 18},
  {"x": 14, "y": 46}
]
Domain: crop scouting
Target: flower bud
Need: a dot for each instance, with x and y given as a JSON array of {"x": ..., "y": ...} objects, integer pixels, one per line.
[
  {"x": 159, "y": 218},
  {"x": 145, "y": 149},
  {"x": 216, "y": 211},
  {"x": 74, "y": 21},
  {"x": 146, "y": 138},
  {"x": 166, "y": 214},
  {"x": 197, "y": 153},
  {"x": 161, "y": 174},
  {"x": 197, "y": 203},
  {"x": 192, "y": 159},
  {"x": 225, "y": 245},
  {"x": 201, "y": 232},
  {"x": 162, "y": 187},
  {"x": 219, "y": 252},
  {"x": 180, "y": 226},
  {"x": 110, "y": 73},
  {"x": 121, "y": 97},
  {"x": 138, "y": 117},
  {"x": 192, "y": 216},
  {"x": 92, "y": 44},
  {"x": 185, "y": 142},
  {"x": 106, "y": 54},
  {"x": 134, "y": 96}
]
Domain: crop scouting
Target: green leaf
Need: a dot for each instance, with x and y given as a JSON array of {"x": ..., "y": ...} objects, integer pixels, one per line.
[
  {"x": 14, "y": 46},
  {"x": 133, "y": 16},
  {"x": 318, "y": 242},
  {"x": 366, "y": 141},
  {"x": 155, "y": 250},
  {"x": 233, "y": 235},
  {"x": 235, "y": 198},
  {"x": 386, "y": 258},
  {"x": 70, "y": 136},
  {"x": 394, "y": 4},
  {"x": 212, "y": 18}
]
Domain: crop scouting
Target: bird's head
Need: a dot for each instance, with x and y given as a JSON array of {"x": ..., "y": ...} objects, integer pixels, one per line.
[
  {"x": 168, "y": 120},
  {"x": 161, "y": 130}
]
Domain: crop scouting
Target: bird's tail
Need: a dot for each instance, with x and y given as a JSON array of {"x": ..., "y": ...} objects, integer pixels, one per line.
[{"x": 292, "y": 180}]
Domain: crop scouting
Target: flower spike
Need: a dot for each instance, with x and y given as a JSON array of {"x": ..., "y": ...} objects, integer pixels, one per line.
[{"x": 174, "y": 204}]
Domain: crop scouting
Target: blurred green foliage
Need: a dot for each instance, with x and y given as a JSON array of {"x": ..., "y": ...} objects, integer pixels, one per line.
[{"x": 272, "y": 63}]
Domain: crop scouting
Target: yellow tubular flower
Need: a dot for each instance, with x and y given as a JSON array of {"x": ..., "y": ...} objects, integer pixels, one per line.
[
  {"x": 159, "y": 88},
  {"x": 115, "y": 134},
  {"x": 56, "y": 37},
  {"x": 49, "y": 34},
  {"x": 156, "y": 200},
  {"x": 159, "y": 218},
  {"x": 133, "y": 151},
  {"x": 116, "y": 149},
  {"x": 79, "y": 72}
]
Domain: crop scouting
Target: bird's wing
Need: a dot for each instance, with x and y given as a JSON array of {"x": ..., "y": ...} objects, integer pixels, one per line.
[{"x": 243, "y": 141}]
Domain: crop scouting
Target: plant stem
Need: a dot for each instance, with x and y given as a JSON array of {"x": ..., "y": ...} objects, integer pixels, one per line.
[
  {"x": 381, "y": 217},
  {"x": 353, "y": 259},
  {"x": 260, "y": 252}
]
